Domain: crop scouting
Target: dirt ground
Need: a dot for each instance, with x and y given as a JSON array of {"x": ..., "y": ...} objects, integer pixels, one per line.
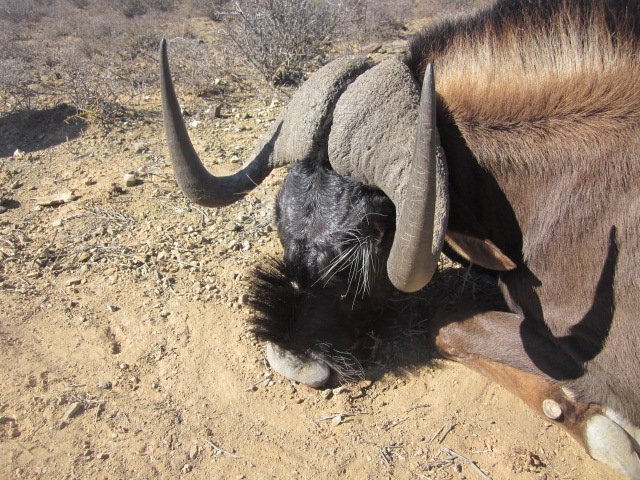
[{"x": 125, "y": 346}]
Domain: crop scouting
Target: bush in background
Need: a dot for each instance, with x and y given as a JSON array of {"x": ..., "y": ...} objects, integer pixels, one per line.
[
  {"x": 281, "y": 38},
  {"x": 99, "y": 56},
  {"x": 95, "y": 56}
]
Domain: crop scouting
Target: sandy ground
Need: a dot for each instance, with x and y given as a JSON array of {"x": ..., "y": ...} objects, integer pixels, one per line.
[{"x": 126, "y": 351}]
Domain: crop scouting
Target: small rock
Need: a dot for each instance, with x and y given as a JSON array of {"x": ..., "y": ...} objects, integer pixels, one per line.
[
  {"x": 195, "y": 123},
  {"x": 112, "y": 308},
  {"x": 124, "y": 366},
  {"x": 193, "y": 452},
  {"x": 366, "y": 384},
  {"x": 130, "y": 179},
  {"x": 102, "y": 456},
  {"x": 73, "y": 282},
  {"x": 105, "y": 385},
  {"x": 56, "y": 223},
  {"x": 215, "y": 111},
  {"x": 84, "y": 257},
  {"x": 140, "y": 147},
  {"x": 18, "y": 154},
  {"x": 327, "y": 394},
  {"x": 74, "y": 410},
  {"x": 187, "y": 468},
  {"x": 57, "y": 199},
  {"x": 3, "y": 209},
  {"x": 90, "y": 181},
  {"x": 243, "y": 299},
  {"x": 232, "y": 226}
]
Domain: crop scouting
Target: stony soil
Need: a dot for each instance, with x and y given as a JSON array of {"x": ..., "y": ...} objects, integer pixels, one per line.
[{"x": 126, "y": 349}]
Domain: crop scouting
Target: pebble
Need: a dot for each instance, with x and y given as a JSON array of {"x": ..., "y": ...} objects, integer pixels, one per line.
[
  {"x": 187, "y": 468},
  {"x": 74, "y": 410},
  {"x": 112, "y": 308},
  {"x": 73, "y": 281},
  {"x": 84, "y": 257},
  {"x": 215, "y": 112},
  {"x": 3, "y": 209},
  {"x": 102, "y": 456},
  {"x": 140, "y": 147},
  {"x": 193, "y": 452},
  {"x": 124, "y": 366},
  {"x": 130, "y": 179},
  {"x": 232, "y": 226},
  {"x": 243, "y": 299},
  {"x": 57, "y": 199},
  {"x": 105, "y": 385}
]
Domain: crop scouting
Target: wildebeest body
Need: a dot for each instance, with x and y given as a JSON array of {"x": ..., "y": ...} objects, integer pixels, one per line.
[
  {"x": 542, "y": 147},
  {"x": 536, "y": 107}
]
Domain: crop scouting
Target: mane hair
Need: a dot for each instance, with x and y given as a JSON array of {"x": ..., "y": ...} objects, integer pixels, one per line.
[{"x": 530, "y": 80}]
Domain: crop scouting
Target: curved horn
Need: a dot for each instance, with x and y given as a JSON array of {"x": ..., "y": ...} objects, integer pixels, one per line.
[
  {"x": 298, "y": 133},
  {"x": 193, "y": 178},
  {"x": 421, "y": 225},
  {"x": 375, "y": 123}
]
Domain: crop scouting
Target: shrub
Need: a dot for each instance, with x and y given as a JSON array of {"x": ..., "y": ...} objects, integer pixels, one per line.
[
  {"x": 134, "y": 8},
  {"x": 213, "y": 9},
  {"x": 17, "y": 11},
  {"x": 367, "y": 19},
  {"x": 281, "y": 38}
]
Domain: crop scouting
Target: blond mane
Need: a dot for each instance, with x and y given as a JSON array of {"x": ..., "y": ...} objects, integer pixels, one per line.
[{"x": 556, "y": 85}]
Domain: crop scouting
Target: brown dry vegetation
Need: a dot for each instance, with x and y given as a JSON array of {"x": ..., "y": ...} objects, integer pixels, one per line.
[{"x": 123, "y": 330}]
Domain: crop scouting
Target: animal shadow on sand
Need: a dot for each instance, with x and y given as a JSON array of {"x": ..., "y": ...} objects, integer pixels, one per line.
[
  {"x": 399, "y": 341},
  {"x": 33, "y": 130}
]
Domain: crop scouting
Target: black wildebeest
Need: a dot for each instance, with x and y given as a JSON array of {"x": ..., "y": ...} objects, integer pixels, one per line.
[{"x": 525, "y": 161}]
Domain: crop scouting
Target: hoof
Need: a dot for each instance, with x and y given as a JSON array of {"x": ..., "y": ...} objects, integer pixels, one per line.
[{"x": 610, "y": 443}]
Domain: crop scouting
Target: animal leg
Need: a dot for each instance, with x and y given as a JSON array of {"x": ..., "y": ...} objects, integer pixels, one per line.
[{"x": 492, "y": 344}]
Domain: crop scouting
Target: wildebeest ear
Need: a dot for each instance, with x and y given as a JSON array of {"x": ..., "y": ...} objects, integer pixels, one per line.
[
  {"x": 309, "y": 113},
  {"x": 479, "y": 251}
]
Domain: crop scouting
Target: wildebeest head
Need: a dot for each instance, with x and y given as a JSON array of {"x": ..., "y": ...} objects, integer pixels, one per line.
[{"x": 364, "y": 206}]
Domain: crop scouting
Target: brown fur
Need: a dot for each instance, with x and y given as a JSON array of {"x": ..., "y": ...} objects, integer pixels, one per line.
[
  {"x": 564, "y": 84},
  {"x": 539, "y": 114}
]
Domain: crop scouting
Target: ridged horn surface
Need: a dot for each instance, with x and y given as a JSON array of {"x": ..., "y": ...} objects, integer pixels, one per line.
[
  {"x": 384, "y": 135},
  {"x": 422, "y": 219}
]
